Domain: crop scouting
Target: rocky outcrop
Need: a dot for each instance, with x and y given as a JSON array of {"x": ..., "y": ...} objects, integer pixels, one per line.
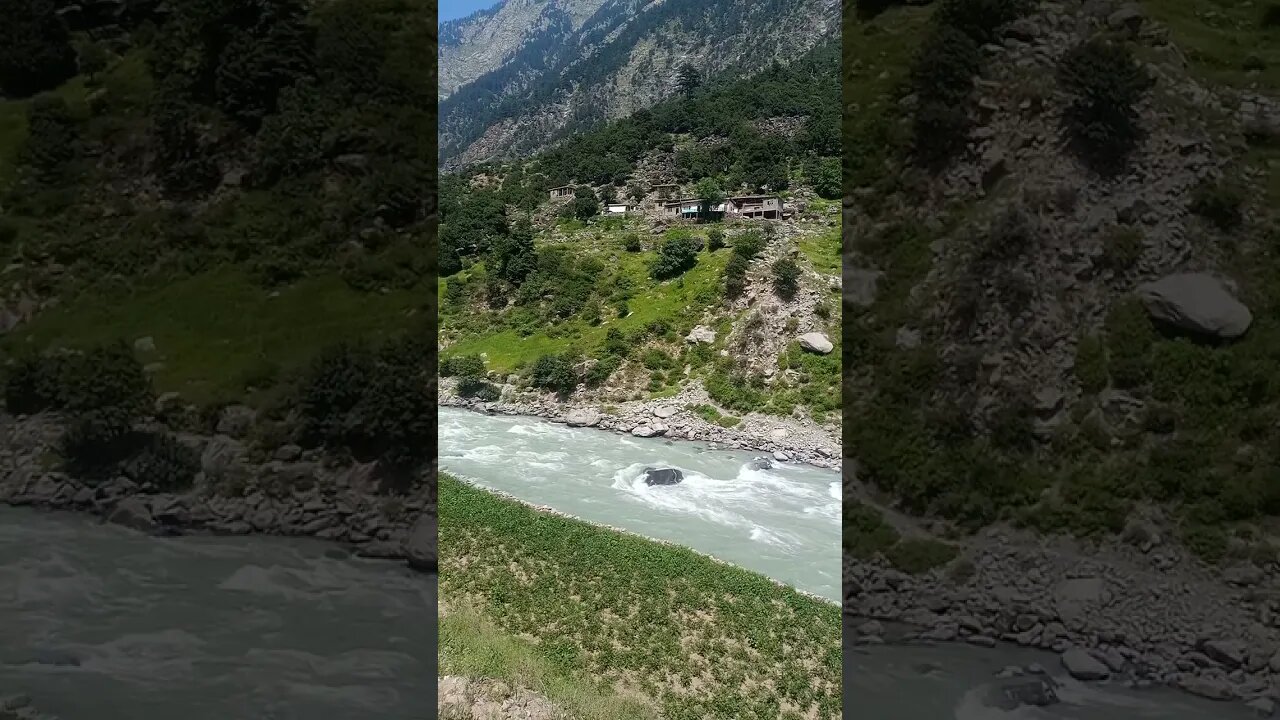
[
  {"x": 1197, "y": 303},
  {"x": 231, "y": 495},
  {"x": 1083, "y": 666}
]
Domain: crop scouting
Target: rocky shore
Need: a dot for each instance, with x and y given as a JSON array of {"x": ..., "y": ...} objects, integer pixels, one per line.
[
  {"x": 787, "y": 439},
  {"x": 1145, "y": 615},
  {"x": 294, "y": 493}
]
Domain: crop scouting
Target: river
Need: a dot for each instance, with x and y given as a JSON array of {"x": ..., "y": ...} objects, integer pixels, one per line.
[
  {"x": 959, "y": 682},
  {"x": 783, "y": 522},
  {"x": 102, "y": 623}
]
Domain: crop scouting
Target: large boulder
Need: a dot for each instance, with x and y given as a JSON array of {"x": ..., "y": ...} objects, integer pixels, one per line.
[
  {"x": 662, "y": 476},
  {"x": 701, "y": 334},
  {"x": 646, "y": 431},
  {"x": 133, "y": 512},
  {"x": 1197, "y": 303},
  {"x": 582, "y": 417},
  {"x": 1083, "y": 666},
  {"x": 816, "y": 342},
  {"x": 420, "y": 545}
]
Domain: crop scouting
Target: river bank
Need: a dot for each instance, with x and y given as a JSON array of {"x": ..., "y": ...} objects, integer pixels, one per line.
[
  {"x": 1143, "y": 614},
  {"x": 295, "y": 493},
  {"x": 655, "y": 621},
  {"x": 786, "y": 438}
]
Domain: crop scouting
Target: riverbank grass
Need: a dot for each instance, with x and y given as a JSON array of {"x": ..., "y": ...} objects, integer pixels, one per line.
[{"x": 681, "y": 634}]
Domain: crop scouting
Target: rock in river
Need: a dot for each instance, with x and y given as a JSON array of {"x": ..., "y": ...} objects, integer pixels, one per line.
[
  {"x": 1084, "y": 666},
  {"x": 582, "y": 417},
  {"x": 662, "y": 476}
]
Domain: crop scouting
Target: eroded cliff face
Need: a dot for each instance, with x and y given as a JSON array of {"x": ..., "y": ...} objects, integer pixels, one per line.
[{"x": 517, "y": 79}]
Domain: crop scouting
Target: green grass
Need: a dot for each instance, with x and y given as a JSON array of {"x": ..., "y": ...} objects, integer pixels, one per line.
[
  {"x": 472, "y": 645},
  {"x": 714, "y": 416},
  {"x": 1221, "y": 38},
  {"x": 696, "y": 638},
  {"x": 214, "y": 329},
  {"x": 681, "y": 300},
  {"x": 823, "y": 250}
]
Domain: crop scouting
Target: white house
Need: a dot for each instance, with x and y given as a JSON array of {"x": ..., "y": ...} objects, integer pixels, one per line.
[{"x": 617, "y": 208}]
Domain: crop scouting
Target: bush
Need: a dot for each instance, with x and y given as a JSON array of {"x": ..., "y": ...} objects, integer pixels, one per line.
[
  {"x": 942, "y": 78},
  {"x": 1220, "y": 203},
  {"x": 749, "y": 244},
  {"x": 715, "y": 239},
  {"x": 601, "y": 371},
  {"x": 554, "y": 372},
  {"x": 330, "y": 388},
  {"x": 472, "y": 386},
  {"x": 1091, "y": 364},
  {"x": 33, "y": 385},
  {"x": 97, "y": 441},
  {"x": 164, "y": 463},
  {"x": 1122, "y": 249},
  {"x": 979, "y": 19},
  {"x": 735, "y": 276},
  {"x": 35, "y": 48},
  {"x": 631, "y": 243},
  {"x": 52, "y": 138},
  {"x": 1129, "y": 339},
  {"x": 462, "y": 366},
  {"x": 676, "y": 256},
  {"x": 786, "y": 278},
  {"x": 1107, "y": 83}
]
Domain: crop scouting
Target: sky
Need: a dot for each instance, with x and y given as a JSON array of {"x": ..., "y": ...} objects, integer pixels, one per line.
[{"x": 453, "y": 9}]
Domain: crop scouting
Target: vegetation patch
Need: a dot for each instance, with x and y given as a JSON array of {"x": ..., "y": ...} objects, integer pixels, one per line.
[{"x": 688, "y": 636}]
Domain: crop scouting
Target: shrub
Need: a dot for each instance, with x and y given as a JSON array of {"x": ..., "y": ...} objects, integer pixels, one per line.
[
  {"x": 462, "y": 366},
  {"x": 35, "y": 48},
  {"x": 1129, "y": 339},
  {"x": 749, "y": 244},
  {"x": 735, "y": 276},
  {"x": 616, "y": 343},
  {"x": 52, "y": 138},
  {"x": 715, "y": 239},
  {"x": 1107, "y": 83},
  {"x": 554, "y": 372},
  {"x": 676, "y": 256},
  {"x": 631, "y": 243},
  {"x": 917, "y": 556},
  {"x": 394, "y": 421},
  {"x": 163, "y": 463},
  {"x": 1091, "y": 364},
  {"x": 623, "y": 309},
  {"x": 786, "y": 278},
  {"x": 601, "y": 371},
  {"x": 471, "y": 386},
  {"x": 330, "y": 389},
  {"x": 1270, "y": 16},
  {"x": 33, "y": 385},
  {"x": 97, "y": 441},
  {"x": 1122, "y": 249},
  {"x": 942, "y": 78},
  {"x": 1220, "y": 203}
]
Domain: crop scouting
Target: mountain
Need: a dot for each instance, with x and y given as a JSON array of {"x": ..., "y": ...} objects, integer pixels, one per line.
[{"x": 521, "y": 75}]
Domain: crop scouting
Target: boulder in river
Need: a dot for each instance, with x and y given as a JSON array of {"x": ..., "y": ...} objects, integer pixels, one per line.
[
  {"x": 1083, "y": 666},
  {"x": 1013, "y": 694},
  {"x": 662, "y": 476},
  {"x": 420, "y": 546},
  {"x": 646, "y": 431},
  {"x": 133, "y": 512},
  {"x": 760, "y": 463}
]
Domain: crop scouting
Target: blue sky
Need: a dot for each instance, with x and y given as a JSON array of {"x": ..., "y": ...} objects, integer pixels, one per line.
[{"x": 452, "y": 9}]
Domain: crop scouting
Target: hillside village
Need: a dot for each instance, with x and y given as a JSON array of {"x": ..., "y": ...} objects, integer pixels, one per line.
[{"x": 696, "y": 346}]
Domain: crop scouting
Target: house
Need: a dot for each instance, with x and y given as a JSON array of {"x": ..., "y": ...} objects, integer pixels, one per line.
[
  {"x": 689, "y": 209},
  {"x": 756, "y": 206},
  {"x": 617, "y": 209},
  {"x": 561, "y": 192},
  {"x": 665, "y": 191}
]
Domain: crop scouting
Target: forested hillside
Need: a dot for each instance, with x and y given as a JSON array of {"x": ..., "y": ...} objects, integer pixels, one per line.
[
  {"x": 1060, "y": 329},
  {"x": 569, "y": 66},
  {"x": 211, "y": 207}
]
